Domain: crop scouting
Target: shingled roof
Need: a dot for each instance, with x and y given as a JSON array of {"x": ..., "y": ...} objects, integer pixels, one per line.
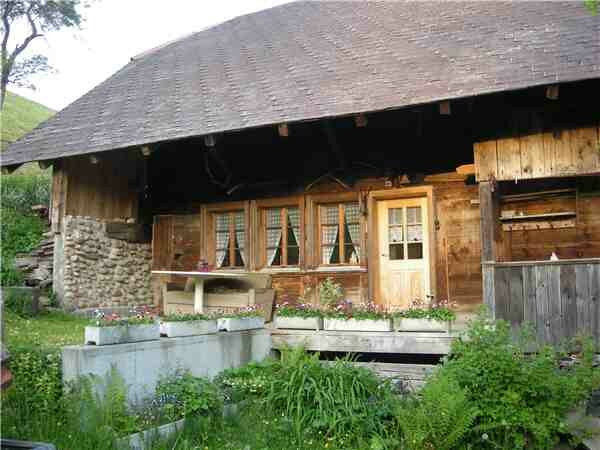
[{"x": 309, "y": 60}]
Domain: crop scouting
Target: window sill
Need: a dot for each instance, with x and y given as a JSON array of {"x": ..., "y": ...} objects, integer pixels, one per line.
[
  {"x": 339, "y": 269},
  {"x": 280, "y": 270}
]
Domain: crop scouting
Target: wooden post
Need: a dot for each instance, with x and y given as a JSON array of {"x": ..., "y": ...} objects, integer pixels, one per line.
[
  {"x": 199, "y": 296},
  {"x": 488, "y": 204}
]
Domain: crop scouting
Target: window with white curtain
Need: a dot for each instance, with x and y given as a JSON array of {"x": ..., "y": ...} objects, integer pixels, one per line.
[
  {"x": 282, "y": 236},
  {"x": 230, "y": 239},
  {"x": 339, "y": 231}
]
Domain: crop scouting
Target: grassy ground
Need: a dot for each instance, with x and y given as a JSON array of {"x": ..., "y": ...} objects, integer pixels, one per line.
[
  {"x": 19, "y": 116},
  {"x": 50, "y": 330}
]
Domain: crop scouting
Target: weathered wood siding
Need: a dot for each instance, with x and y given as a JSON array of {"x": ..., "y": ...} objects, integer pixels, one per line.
[
  {"x": 561, "y": 299},
  {"x": 539, "y": 155},
  {"x": 105, "y": 190}
]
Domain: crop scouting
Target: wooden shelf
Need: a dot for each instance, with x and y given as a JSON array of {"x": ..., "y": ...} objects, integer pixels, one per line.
[{"x": 546, "y": 216}]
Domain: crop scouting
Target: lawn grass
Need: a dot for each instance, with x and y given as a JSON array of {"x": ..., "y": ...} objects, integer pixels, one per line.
[
  {"x": 48, "y": 330},
  {"x": 20, "y": 116}
]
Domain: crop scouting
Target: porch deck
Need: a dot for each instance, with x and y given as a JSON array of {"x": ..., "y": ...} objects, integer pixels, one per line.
[{"x": 364, "y": 342}]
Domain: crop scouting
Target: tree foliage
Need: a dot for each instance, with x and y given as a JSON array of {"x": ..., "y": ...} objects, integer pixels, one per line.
[{"x": 40, "y": 16}]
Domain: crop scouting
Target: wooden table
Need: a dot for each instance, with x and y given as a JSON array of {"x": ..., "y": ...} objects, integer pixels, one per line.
[{"x": 197, "y": 279}]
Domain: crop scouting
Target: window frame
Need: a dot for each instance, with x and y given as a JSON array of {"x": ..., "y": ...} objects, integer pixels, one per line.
[
  {"x": 338, "y": 200},
  {"x": 284, "y": 203},
  {"x": 209, "y": 213}
]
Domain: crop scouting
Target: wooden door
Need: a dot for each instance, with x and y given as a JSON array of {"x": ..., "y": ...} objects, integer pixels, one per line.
[{"x": 403, "y": 231}]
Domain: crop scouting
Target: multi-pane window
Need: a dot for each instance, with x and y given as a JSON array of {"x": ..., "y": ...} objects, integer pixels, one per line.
[
  {"x": 339, "y": 230},
  {"x": 405, "y": 233},
  {"x": 230, "y": 239},
  {"x": 282, "y": 236}
]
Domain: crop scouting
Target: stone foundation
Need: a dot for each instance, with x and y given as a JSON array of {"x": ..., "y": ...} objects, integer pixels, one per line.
[{"x": 100, "y": 271}]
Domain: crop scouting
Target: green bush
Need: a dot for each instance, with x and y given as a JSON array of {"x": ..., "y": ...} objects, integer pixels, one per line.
[
  {"x": 19, "y": 191},
  {"x": 19, "y": 303},
  {"x": 18, "y": 233},
  {"x": 522, "y": 397},
  {"x": 339, "y": 401},
  {"x": 439, "y": 417},
  {"x": 182, "y": 395},
  {"x": 247, "y": 382}
]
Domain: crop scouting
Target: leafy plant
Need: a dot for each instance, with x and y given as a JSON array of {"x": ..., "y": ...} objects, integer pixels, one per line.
[
  {"x": 181, "y": 317},
  {"x": 439, "y": 417},
  {"x": 330, "y": 292},
  {"x": 367, "y": 311},
  {"x": 240, "y": 313},
  {"x": 337, "y": 400},
  {"x": 19, "y": 303},
  {"x": 436, "y": 310},
  {"x": 303, "y": 310},
  {"x": 522, "y": 397},
  {"x": 142, "y": 316},
  {"x": 182, "y": 395},
  {"x": 247, "y": 382}
]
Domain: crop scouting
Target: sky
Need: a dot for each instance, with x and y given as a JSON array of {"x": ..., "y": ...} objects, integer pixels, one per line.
[{"x": 113, "y": 32}]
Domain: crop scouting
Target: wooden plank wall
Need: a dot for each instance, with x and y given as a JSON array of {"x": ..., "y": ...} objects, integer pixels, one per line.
[
  {"x": 579, "y": 241},
  {"x": 539, "y": 155},
  {"x": 105, "y": 190},
  {"x": 560, "y": 299},
  {"x": 456, "y": 239}
]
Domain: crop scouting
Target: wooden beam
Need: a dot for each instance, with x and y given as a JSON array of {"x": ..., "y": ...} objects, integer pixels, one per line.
[
  {"x": 45, "y": 164},
  {"x": 146, "y": 151},
  {"x": 552, "y": 92},
  {"x": 209, "y": 140},
  {"x": 445, "y": 108},
  {"x": 488, "y": 205},
  {"x": 466, "y": 169},
  {"x": 94, "y": 159},
  {"x": 360, "y": 120},
  {"x": 283, "y": 130}
]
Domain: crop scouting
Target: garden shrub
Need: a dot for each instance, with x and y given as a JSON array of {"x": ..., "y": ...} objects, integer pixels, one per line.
[
  {"x": 182, "y": 394},
  {"x": 21, "y": 191},
  {"x": 340, "y": 401},
  {"x": 522, "y": 397},
  {"x": 19, "y": 303},
  {"x": 247, "y": 382},
  {"x": 19, "y": 233},
  {"x": 439, "y": 417}
]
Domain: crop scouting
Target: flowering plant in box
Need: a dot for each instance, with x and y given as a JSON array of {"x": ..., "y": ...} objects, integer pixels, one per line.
[
  {"x": 139, "y": 316},
  {"x": 246, "y": 311},
  {"x": 186, "y": 317},
  {"x": 435, "y": 310},
  {"x": 366, "y": 311},
  {"x": 303, "y": 310}
]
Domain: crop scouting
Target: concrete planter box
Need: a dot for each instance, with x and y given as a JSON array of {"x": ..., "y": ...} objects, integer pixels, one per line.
[
  {"x": 241, "y": 323},
  {"x": 188, "y": 328},
  {"x": 145, "y": 439},
  {"x": 121, "y": 334},
  {"x": 358, "y": 325},
  {"x": 299, "y": 323},
  {"x": 424, "y": 325}
]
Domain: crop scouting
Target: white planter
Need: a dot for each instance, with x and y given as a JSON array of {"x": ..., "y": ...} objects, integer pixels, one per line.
[
  {"x": 358, "y": 325},
  {"x": 188, "y": 328},
  {"x": 241, "y": 323},
  {"x": 299, "y": 323},
  {"x": 145, "y": 439},
  {"x": 425, "y": 325},
  {"x": 121, "y": 334}
]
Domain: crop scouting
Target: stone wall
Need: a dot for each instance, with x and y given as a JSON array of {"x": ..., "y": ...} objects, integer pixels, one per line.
[{"x": 100, "y": 271}]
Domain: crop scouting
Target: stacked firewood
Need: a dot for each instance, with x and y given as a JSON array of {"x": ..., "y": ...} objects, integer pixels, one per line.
[{"x": 37, "y": 265}]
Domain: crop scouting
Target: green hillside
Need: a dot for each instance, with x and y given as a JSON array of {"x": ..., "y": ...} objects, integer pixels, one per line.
[{"x": 19, "y": 116}]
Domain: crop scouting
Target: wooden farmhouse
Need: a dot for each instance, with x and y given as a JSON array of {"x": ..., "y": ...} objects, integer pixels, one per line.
[{"x": 427, "y": 150}]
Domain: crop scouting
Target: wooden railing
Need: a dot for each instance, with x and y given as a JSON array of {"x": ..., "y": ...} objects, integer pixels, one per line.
[{"x": 561, "y": 299}]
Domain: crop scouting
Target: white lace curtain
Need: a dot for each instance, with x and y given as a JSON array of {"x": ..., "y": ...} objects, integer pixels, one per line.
[
  {"x": 352, "y": 218},
  {"x": 274, "y": 234},
  {"x": 222, "y": 241}
]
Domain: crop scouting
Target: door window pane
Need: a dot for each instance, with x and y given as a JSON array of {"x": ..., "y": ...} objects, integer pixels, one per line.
[
  {"x": 414, "y": 233},
  {"x": 395, "y": 216},
  {"x": 395, "y": 234},
  {"x": 396, "y": 251},
  {"x": 413, "y": 215},
  {"x": 415, "y": 250}
]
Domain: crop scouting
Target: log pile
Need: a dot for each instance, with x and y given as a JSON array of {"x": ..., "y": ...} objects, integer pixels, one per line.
[{"x": 37, "y": 265}]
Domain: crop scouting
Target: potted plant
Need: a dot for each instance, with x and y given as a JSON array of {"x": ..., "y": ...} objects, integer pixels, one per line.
[
  {"x": 180, "y": 324},
  {"x": 433, "y": 317},
  {"x": 113, "y": 329},
  {"x": 300, "y": 316},
  {"x": 367, "y": 317},
  {"x": 246, "y": 318}
]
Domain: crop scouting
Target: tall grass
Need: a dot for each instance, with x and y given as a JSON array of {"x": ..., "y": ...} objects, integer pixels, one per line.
[{"x": 20, "y": 191}]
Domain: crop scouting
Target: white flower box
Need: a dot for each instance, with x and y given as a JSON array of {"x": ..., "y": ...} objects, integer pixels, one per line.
[
  {"x": 299, "y": 323},
  {"x": 424, "y": 325},
  {"x": 121, "y": 334},
  {"x": 332, "y": 324},
  {"x": 241, "y": 323},
  {"x": 144, "y": 439},
  {"x": 188, "y": 328}
]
